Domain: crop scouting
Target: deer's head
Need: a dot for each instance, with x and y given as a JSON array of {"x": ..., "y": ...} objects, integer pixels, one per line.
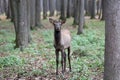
[{"x": 57, "y": 24}]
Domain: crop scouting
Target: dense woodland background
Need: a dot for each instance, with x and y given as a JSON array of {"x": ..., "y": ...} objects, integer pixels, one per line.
[
  {"x": 27, "y": 14},
  {"x": 26, "y": 39}
]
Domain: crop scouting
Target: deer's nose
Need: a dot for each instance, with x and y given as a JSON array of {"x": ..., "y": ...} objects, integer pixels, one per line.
[{"x": 57, "y": 28}]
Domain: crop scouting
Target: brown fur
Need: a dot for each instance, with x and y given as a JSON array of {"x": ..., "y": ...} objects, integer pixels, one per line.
[{"x": 62, "y": 40}]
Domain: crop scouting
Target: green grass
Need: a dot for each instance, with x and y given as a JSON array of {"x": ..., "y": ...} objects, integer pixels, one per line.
[
  {"x": 11, "y": 60},
  {"x": 87, "y": 52}
]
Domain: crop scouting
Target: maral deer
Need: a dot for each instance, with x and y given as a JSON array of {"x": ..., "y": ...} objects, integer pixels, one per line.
[{"x": 62, "y": 40}]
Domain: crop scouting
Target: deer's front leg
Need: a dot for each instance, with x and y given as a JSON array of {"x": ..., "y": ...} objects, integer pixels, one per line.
[
  {"x": 63, "y": 60},
  {"x": 57, "y": 60}
]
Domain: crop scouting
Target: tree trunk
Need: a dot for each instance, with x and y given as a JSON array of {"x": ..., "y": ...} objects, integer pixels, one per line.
[
  {"x": 9, "y": 10},
  {"x": 69, "y": 8},
  {"x": 102, "y": 10},
  {"x": 21, "y": 22},
  {"x": 98, "y": 6},
  {"x": 52, "y": 7},
  {"x": 81, "y": 16},
  {"x": 37, "y": 13},
  {"x": 28, "y": 21},
  {"x": 14, "y": 8},
  {"x": 93, "y": 9},
  {"x": 5, "y": 6},
  {"x": 112, "y": 40},
  {"x": 86, "y": 7},
  {"x": 44, "y": 9},
  {"x": 41, "y": 5},
  {"x": 89, "y": 7},
  {"x": 32, "y": 14},
  {"x": 58, "y": 5},
  {"x": 2, "y": 6},
  {"x": 76, "y": 12},
  {"x": 63, "y": 9}
]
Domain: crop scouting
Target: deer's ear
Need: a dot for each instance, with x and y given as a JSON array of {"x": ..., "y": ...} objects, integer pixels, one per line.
[
  {"x": 51, "y": 20},
  {"x": 63, "y": 21}
]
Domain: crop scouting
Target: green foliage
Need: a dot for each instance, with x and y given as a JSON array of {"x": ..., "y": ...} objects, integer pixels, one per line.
[
  {"x": 11, "y": 60},
  {"x": 88, "y": 51},
  {"x": 36, "y": 72}
]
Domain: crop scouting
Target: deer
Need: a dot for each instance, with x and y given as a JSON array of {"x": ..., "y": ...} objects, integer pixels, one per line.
[{"x": 62, "y": 40}]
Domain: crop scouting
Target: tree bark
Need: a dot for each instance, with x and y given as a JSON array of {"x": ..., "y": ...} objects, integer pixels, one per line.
[
  {"x": 93, "y": 9},
  {"x": 14, "y": 8},
  {"x": 76, "y": 12},
  {"x": 112, "y": 40},
  {"x": 52, "y": 7},
  {"x": 5, "y": 7},
  {"x": 2, "y": 6},
  {"x": 44, "y": 9},
  {"x": 28, "y": 21},
  {"x": 58, "y": 5},
  {"x": 21, "y": 22},
  {"x": 102, "y": 10},
  {"x": 32, "y": 14},
  {"x": 98, "y": 6},
  {"x": 63, "y": 9},
  {"x": 69, "y": 8},
  {"x": 86, "y": 7},
  {"x": 81, "y": 17},
  {"x": 9, "y": 10},
  {"x": 37, "y": 13},
  {"x": 41, "y": 5}
]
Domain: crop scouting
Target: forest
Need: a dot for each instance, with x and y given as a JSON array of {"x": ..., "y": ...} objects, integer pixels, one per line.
[{"x": 59, "y": 40}]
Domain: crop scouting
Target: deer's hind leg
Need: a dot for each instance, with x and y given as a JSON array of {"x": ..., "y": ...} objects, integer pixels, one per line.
[
  {"x": 69, "y": 59},
  {"x": 64, "y": 61}
]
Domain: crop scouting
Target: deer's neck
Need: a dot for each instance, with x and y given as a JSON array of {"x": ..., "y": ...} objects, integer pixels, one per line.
[{"x": 57, "y": 37}]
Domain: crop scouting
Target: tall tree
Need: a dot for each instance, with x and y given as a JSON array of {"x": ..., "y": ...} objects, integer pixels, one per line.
[
  {"x": 21, "y": 15},
  {"x": 86, "y": 7},
  {"x": 58, "y": 5},
  {"x": 9, "y": 10},
  {"x": 37, "y": 13},
  {"x": 112, "y": 40},
  {"x": 76, "y": 12},
  {"x": 2, "y": 6},
  {"x": 28, "y": 21},
  {"x": 93, "y": 2},
  {"x": 63, "y": 9},
  {"x": 41, "y": 5},
  {"x": 32, "y": 14},
  {"x": 14, "y": 10},
  {"x": 69, "y": 8},
  {"x": 5, "y": 6},
  {"x": 81, "y": 16},
  {"x": 98, "y": 6},
  {"x": 102, "y": 4},
  {"x": 52, "y": 4},
  {"x": 45, "y": 9}
]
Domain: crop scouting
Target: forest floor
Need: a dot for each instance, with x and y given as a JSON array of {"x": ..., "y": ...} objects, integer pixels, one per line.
[{"x": 37, "y": 62}]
